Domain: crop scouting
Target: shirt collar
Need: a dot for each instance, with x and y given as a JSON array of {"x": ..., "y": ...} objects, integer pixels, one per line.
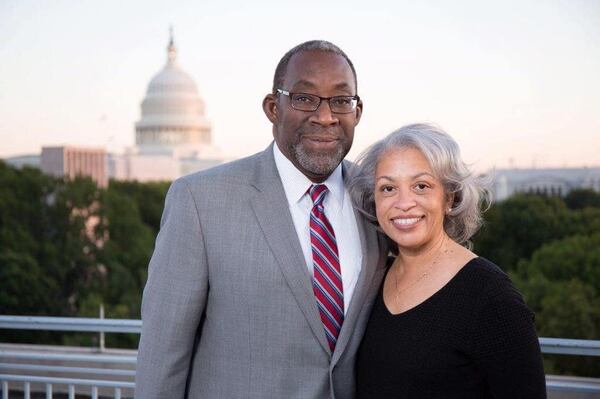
[{"x": 295, "y": 183}]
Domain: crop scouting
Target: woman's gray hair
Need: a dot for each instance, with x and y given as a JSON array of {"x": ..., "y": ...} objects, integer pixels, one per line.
[{"x": 470, "y": 193}]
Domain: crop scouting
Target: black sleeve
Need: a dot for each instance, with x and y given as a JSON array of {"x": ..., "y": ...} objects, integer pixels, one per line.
[{"x": 506, "y": 346}]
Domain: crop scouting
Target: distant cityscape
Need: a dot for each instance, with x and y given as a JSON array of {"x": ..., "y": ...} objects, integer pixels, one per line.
[{"x": 173, "y": 138}]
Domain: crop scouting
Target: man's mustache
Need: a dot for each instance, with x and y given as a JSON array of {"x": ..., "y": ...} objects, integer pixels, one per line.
[{"x": 320, "y": 134}]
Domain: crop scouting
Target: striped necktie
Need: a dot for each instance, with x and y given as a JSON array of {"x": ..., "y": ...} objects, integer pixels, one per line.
[{"x": 327, "y": 277}]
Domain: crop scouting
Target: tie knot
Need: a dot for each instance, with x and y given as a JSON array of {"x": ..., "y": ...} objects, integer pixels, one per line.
[{"x": 317, "y": 193}]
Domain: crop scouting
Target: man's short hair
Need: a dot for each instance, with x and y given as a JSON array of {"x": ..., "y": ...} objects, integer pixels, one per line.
[{"x": 312, "y": 45}]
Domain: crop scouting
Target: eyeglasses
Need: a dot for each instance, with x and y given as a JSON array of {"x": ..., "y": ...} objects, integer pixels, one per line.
[{"x": 310, "y": 102}]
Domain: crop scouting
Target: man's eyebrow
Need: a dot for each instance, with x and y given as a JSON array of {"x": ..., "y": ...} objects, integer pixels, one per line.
[
  {"x": 343, "y": 86},
  {"x": 385, "y": 178},
  {"x": 302, "y": 84},
  {"x": 308, "y": 85}
]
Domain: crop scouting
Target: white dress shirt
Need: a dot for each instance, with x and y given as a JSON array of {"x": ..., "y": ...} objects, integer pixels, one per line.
[{"x": 339, "y": 212}]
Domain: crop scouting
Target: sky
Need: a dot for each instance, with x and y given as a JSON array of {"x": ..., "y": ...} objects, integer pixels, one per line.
[{"x": 515, "y": 82}]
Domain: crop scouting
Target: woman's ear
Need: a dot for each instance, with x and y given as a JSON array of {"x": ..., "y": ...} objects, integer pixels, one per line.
[{"x": 449, "y": 203}]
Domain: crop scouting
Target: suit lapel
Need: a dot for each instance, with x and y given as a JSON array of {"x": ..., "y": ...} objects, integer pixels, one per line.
[
  {"x": 369, "y": 249},
  {"x": 274, "y": 217}
]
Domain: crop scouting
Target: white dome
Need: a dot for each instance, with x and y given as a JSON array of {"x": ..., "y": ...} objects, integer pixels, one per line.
[
  {"x": 172, "y": 79},
  {"x": 172, "y": 111}
]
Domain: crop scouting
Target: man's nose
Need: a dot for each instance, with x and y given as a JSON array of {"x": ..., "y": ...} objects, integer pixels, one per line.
[{"x": 323, "y": 114}]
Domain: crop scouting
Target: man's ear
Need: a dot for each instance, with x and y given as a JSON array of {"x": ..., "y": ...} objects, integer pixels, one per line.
[
  {"x": 359, "y": 110},
  {"x": 270, "y": 107}
]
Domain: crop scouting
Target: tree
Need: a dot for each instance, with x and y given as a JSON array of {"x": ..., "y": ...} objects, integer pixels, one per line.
[
  {"x": 561, "y": 283},
  {"x": 47, "y": 239},
  {"x": 70, "y": 238},
  {"x": 124, "y": 261},
  {"x": 582, "y": 198},
  {"x": 149, "y": 198},
  {"x": 26, "y": 288},
  {"x": 513, "y": 229}
]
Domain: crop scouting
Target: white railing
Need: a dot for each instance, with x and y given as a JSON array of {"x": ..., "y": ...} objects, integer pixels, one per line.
[
  {"x": 94, "y": 373},
  {"x": 71, "y": 324},
  {"x": 71, "y": 383},
  {"x": 23, "y": 368},
  {"x": 564, "y": 346},
  {"x": 113, "y": 366}
]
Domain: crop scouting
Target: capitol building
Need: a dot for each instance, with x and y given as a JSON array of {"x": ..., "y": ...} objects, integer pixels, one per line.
[{"x": 172, "y": 137}]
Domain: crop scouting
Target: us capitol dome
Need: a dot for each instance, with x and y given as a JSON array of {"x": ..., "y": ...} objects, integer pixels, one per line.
[
  {"x": 172, "y": 112},
  {"x": 173, "y": 136}
]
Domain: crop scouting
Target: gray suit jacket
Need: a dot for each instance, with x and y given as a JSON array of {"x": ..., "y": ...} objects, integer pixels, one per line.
[{"x": 228, "y": 310}]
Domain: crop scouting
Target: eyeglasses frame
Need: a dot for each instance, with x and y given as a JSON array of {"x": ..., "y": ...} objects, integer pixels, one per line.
[{"x": 290, "y": 94}]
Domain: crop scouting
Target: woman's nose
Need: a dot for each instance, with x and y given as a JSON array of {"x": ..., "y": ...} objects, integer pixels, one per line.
[{"x": 404, "y": 201}]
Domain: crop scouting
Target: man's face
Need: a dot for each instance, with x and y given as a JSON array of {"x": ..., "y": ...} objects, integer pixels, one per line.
[{"x": 315, "y": 142}]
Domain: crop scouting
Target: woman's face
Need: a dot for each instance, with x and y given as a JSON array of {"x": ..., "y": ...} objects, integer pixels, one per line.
[{"x": 410, "y": 200}]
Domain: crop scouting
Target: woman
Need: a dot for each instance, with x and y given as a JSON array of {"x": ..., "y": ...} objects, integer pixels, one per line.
[{"x": 446, "y": 323}]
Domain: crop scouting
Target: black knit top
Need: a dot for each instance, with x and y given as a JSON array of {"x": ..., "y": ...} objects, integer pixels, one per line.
[{"x": 474, "y": 338}]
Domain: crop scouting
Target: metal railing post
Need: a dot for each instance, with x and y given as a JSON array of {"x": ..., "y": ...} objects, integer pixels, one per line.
[{"x": 102, "y": 343}]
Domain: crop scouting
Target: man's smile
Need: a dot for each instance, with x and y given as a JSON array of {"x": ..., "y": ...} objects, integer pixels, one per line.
[{"x": 321, "y": 142}]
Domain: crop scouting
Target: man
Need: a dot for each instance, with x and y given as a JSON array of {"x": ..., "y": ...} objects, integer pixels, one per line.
[{"x": 263, "y": 276}]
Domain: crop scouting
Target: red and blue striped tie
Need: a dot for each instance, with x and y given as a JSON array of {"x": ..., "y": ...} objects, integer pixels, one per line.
[{"x": 327, "y": 277}]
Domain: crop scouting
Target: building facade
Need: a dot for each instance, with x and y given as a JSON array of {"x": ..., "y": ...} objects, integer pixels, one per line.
[
  {"x": 71, "y": 162},
  {"x": 549, "y": 181}
]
